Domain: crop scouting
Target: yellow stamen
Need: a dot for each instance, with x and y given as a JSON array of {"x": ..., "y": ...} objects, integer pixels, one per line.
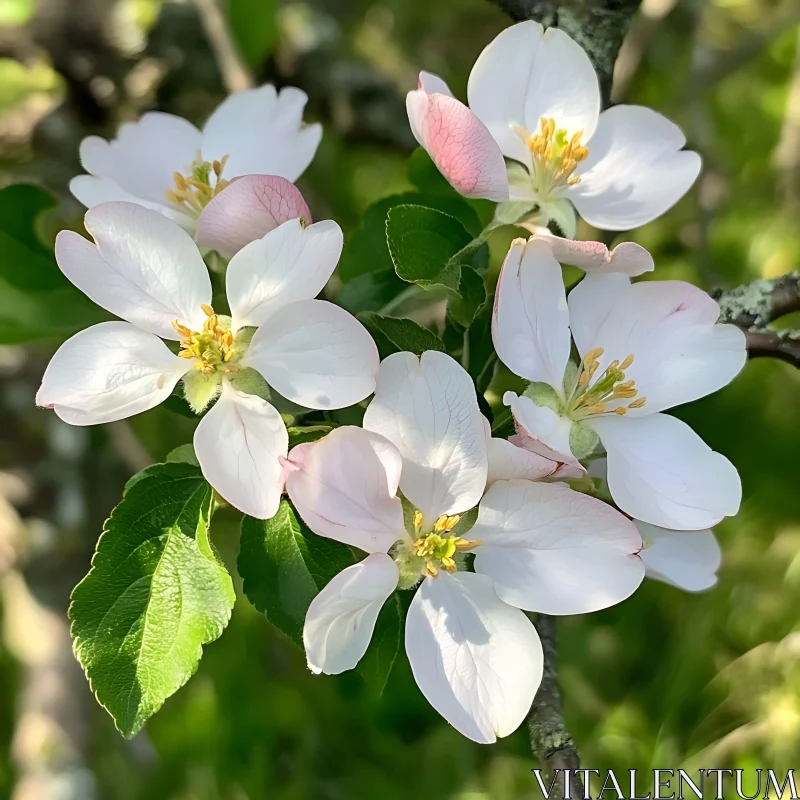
[
  {"x": 431, "y": 570},
  {"x": 466, "y": 544},
  {"x": 638, "y": 403},
  {"x": 627, "y": 362},
  {"x": 622, "y": 410},
  {"x": 593, "y": 355}
]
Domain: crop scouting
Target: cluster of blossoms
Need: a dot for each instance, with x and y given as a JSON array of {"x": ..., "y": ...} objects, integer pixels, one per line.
[{"x": 483, "y": 529}]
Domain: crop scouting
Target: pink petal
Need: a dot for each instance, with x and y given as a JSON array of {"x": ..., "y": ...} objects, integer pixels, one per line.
[
  {"x": 628, "y": 258},
  {"x": 459, "y": 144},
  {"x": 247, "y": 210}
]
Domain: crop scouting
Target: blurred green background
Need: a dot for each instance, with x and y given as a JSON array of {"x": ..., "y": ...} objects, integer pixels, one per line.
[{"x": 664, "y": 680}]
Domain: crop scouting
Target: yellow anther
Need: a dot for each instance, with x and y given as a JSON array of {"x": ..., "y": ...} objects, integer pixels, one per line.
[
  {"x": 185, "y": 354},
  {"x": 622, "y": 410},
  {"x": 593, "y": 355},
  {"x": 181, "y": 329},
  {"x": 580, "y": 153},
  {"x": 430, "y": 569},
  {"x": 638, "y": 403},
  {"x": 417, "y": 519},
  {"x": 440, "y": 524},
  {"x": 613, "y": 366},
  {"x": 597, "y": 408},
  {"x": 466, "y": 544},
  {"x": 207, "y": 310},
  {"x": 627, "y": 362}
]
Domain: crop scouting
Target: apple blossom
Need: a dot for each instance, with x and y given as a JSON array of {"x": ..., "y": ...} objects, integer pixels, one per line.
[
  {"x": 165, "y": 163},
  {"x": 534, "y": 99},
  {"x": 644, "y": 348},
  {"x": 148, "y": 271},
  {"x": 688, "y": 560},
  {"x": 538, "y": 546}
]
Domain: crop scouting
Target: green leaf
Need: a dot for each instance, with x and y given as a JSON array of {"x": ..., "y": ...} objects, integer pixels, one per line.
[
  {"x": 254, "y": 26},
  {"x": 392, "y": 335},
  {"x": 376, "y": 664},
  {"x": 366, "y": 250},
  {"x": 184, "y": 454},
  {"x": 469, "y": 297},
  {"x": 421, "y": 243},
  {"x": 156, "y": 593},
  {"x": 25, "y": 262},
  {"x": 371, "y": 291},
  {"x": 284, "y": 565},
  {"x": 481, "y": 358}
]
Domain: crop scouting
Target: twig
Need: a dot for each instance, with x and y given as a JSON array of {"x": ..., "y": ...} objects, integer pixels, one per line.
[
  {"x": 755, "y": 305},
  {"x": 550, "y": 741},
  {"x": 235, "y": 74}
]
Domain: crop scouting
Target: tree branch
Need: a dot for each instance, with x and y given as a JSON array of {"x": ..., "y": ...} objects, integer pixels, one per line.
[
  {"x": 550, "y": 741},
  {"x": 754, "y": 305}
]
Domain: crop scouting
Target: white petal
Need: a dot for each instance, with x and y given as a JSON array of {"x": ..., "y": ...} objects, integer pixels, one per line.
[
  {"x": 543, "y": 431},
  {"x": 635, "y": 171},
  {"x": 239, "y": 443},
  {"x": 428, "y": 409},
  {"x": 686, "y": 559},
  {"x": 433, "y": 84},
  {"x": 628, "y": 258},
  {"x": 459, "y": 144},
  {"x": 499, "y": 84},
  {"x": 341, "y": 618},
  {"x": 315, "y": 354},
  {"x": 290, "y": 263},
  {"x": 248, "y": 209},
  {"x": 660, "y": 471},
  {"x": 556, "y": 551},
  {"x": 507, "y": 461},
  {"x": 563, "y": 86},
  {"x": 262, "y": 133},
  {"x": 590, "y": 305},
  {"x": 477, "y": 660},
  {"x": 530, "y": 326},
  {"x": 669, "y": 327},
  {"x": 145, "y": 155},
  {"x": 526, "y": 74},
  {"x": 345, "y": 487},
  {"x": 144, "y": 268},
  {"x": 108, "y": 372}
]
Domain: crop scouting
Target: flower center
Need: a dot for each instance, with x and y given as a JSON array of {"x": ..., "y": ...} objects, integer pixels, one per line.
[
  {"x": 556, "y": 156},
  {"x": 437, "y": 548},
  {"x": 590, "y": 397},
  {"x": 195, "y": 191},
  {"x": 212, "y": 347}
]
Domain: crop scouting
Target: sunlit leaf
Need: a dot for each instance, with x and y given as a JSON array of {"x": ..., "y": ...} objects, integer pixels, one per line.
[{"x": 155, "y": 595}]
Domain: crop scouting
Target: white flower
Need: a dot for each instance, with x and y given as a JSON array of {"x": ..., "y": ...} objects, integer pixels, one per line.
[
  {"x": 644, "y": 348},
  {"x": 148, "y": 271},
  {"x": 688, "y": 560},
  {"x": 534, "y": 99},
  {"x": 165, "y": 163},
  {"x": 538, "y": 546}
]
